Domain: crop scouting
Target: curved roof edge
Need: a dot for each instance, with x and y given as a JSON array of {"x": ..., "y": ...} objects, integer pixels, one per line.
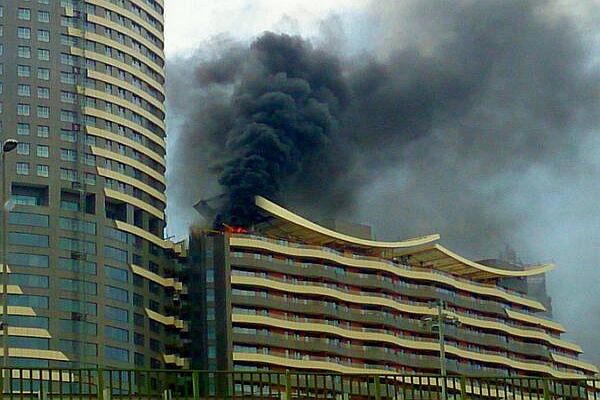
[{"x": 295, "y": 219}]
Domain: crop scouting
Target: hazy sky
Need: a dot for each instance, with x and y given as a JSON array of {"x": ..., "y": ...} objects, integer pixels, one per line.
[{"x": 189, "y": 22}]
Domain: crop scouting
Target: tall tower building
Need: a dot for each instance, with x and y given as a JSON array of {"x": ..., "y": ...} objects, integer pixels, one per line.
[{"x": 89, "y": 269}]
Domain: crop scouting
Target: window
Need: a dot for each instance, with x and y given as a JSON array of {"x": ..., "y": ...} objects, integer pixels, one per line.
[
  {"x": 117, "y": 334},
  {"x": 76, "y": 347},
  {"x": 29, "y": 342},
  {"x": 43, "y": 35},
  {"x": 28, "y": 219},
  {"x": 42, "y": 151},
  {"x": 115, "y": 254},
  {"x": 28, "y": 260},
  {"x": 117, "y": 274},
  {"x": 78, "y": 306},
  {"x": 23, "y": 71},
  {"x": 68, "y": 97},
  {"x": 43, "y": 16},
  {"x": 68, "y": 78},
  {"x": 28, "y": 280},
  {"x": 75, "y": 266},
  {"x": 23, "y": 32},
  {"x": 138, "y": 339},
  {"x": 22, "y": 168},
  {"x": 24, "y": 90},
  {"x": 43, "y": 54},
  {"x": 72, "y": 326},
  {"x": 24, "y": 110},
  {"x": 43, "y": 112},
  {"x": 68, "y": 175},
  {"x": 24, "y": 14},
  {"x": 75, "y": 285},
  {"x": 67, "y": 116},
  {"x": 43, "y": 131},
  {"x": 24, "y": 52},
  {"x": 116, "y": 314},
  {"x": 22, "y": 129},
  {"x": 116, "y": 353},
  {"x": 68, "y": 136},
  {"x": 43, "y": 170},
  {"x": 84, "y": 246},
  {"x": 28, "y": 300},
  {"x": 23, "y": 149},
  {"x": 43, "y": 93},
  {"x": 115, "y": 293},
  {"x": 68, "y": 155},
  {"x": 77, "y": 225},
  {"x": 43, "y": 74}
]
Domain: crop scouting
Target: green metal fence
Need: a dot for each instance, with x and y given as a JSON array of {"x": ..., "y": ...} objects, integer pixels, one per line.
[{"x": 105, "y": 384}]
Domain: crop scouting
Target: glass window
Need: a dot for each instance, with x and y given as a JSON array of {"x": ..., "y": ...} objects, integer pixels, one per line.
[
  {"x": 43, "y": 35},
  {"x": 116, "y": 314},
  {"x": 68, "y": 97},
  {"x": 43, "y": 74},
  {"x": 22, "y": 168},
  {"x": 28, "y": 260},
  {"x": 27, "y": 239},
  {"x": 77, "y": 225},
  {"x": 76, "y": 266},
  {"x": 24, "y": 14},
  {"x": 117, "y": 334},
  {"x": 82, "y": 307},
  {"x": 75, "y": 285},
  {"x": 24, "y": 90},
  {"x": 43, "y": 16},
  {"x": 71, "y": 326},
  {"x": 43, "y": 131},
  {"x": 67, "y": 174},
  {"x": 76, "y": 347},
  {"x": 43, "y": 170},
  {"x": 116, "y": 254},
  {"x": 23, "y": 32},
  {"x": 27, "y": 321},
  {"x": 23, "y": 110},
  {"x": 43, "y": 112},
  {"x": 68, "y": 155},
  {"x": 28, "y": 280},
  {"x": 43, "y": 93},
  {"x": 116, "y": 293},
  {"x": 29, "y": 219},
  {"x": 116, "y": 353},
  {"x": 42, "y": 151},
  {"x": 23, "y": 148},
  {"x": 43, "y": 54},
  {"x": 68, "y": 136},
  {"x": 84, "y": 246},
  {"x": 28, "y": 300},
  {"x": 23, "y": 129},
  {"x": 23, "y": 71},
  {"x": 24, "y": 52},
  {"x": 117, "y": 274}
]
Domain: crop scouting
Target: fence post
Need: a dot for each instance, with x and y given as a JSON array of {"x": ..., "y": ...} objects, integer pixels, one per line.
[
  {"x": 377, "y": 388},
  {"x": 196, "y": 385},
  {"x": 463, "y": 387},
  {"x": 100, "y": 384},
  {"x": 288, "y": 385},
  {"x": 546, "y": 389}
]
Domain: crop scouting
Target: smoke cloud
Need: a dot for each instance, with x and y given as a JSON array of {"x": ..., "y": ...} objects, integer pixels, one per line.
[{"x": 476, "y": 120}]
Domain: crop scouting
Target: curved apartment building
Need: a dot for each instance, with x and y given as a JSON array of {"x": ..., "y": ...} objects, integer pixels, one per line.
[
  {"x": 89, "y": 278},
  {"x": 291, "y": 294}
]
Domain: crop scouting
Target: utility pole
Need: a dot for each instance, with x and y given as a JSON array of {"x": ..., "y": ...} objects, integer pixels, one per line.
[{"x": 438, "y": 323}]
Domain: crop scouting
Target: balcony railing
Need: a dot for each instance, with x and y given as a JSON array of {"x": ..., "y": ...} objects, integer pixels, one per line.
[{"x": 105, "y": 384}]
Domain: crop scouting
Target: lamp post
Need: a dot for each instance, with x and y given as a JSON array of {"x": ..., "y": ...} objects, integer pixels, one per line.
[
  {"x": 8, "y": 146},
  {"x": 438, "y": 323}
]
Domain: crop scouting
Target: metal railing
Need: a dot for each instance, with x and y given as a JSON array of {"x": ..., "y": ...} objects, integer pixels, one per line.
[{"x": 106, "y": 384}]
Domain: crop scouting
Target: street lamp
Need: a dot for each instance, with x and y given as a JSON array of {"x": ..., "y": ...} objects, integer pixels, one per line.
[
  {"x": 8, "y": 146},
  {"x": 437, "y": 322}
]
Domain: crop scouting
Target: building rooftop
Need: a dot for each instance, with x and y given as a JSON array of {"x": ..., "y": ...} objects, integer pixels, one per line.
[{"x": 418, "y": 252}]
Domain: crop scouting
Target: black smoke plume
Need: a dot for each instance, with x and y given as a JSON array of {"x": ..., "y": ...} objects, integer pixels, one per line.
[{"x": 478, "y": 120}]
